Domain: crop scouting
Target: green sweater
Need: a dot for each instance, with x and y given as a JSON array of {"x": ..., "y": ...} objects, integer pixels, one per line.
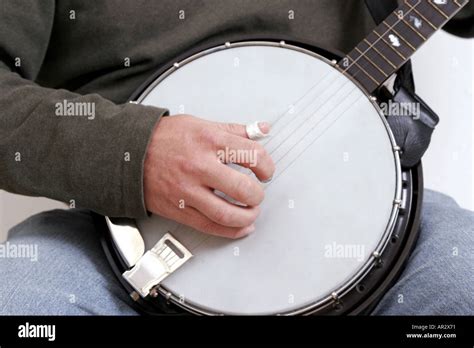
[{"x": 99, "y": 52}]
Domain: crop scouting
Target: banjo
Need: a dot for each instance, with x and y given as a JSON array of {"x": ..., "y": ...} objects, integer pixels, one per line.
[{"x": 340, "y": 215}]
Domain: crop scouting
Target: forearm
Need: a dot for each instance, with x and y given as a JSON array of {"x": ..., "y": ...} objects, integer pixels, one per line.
[{"x": 94, "y": 160}]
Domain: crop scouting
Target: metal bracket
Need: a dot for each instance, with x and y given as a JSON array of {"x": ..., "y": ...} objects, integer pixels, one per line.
[{"x": 156, "y": 264}]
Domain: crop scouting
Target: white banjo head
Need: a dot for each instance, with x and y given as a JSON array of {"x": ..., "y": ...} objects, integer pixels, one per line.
[{"x": 330, "y": 204}]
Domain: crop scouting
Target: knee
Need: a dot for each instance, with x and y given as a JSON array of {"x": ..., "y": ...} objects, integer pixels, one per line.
[
  {"x": 439, "y": 277},
  {"x": 433, "y": 286},
  {"x": 445, "y": 231},
  {"x": 69, "y": 273},
  {"x": 53, "y": 222}
]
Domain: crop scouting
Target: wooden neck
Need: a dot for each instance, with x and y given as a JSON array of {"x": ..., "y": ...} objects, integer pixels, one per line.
[{"x": 392, "y": 43}]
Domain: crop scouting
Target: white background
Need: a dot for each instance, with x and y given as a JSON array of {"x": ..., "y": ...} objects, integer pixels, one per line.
[{"x": 444, "y": 77}]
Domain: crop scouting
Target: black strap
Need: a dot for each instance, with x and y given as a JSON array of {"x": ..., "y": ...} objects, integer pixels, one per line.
[{"x": 379, "y": 10}]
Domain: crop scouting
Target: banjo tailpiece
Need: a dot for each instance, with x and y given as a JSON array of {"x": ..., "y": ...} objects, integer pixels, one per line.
[{"x": 157, "y": 264}]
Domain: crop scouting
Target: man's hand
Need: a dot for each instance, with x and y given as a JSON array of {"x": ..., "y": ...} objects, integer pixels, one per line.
[{"x": 182, "y": 170}]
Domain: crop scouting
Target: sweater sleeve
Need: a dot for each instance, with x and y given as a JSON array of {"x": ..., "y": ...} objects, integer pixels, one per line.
[{"x": 80, "y": 149}]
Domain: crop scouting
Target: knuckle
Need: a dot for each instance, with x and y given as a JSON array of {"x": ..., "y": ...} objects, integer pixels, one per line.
[
  {"x": 264, "y": 161},
  {"x": 221, "y": 216},
  {"x": 191, "y": 167},
  {"x": 259, "y": 151},
  {"x": 249, "y": 192},
  {"x": 206, "y": 227},
  {"x": 200, "y": 168},
  {"x": 268, "y": 170},
  {"x": 233, "y": 127},
  {"x": 260, "y": 195},
  {"x": 209, "y": 136},
  {"x": 181, "y": 193},
  {"x": 242, "y": 187},
  {"x": 185, "y": 165}
]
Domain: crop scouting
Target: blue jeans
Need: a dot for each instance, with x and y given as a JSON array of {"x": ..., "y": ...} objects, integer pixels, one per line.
[{"x": 71, "y": 274}]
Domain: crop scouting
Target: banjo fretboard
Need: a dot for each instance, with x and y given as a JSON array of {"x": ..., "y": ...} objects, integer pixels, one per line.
[{"x": 392, "y": 43}]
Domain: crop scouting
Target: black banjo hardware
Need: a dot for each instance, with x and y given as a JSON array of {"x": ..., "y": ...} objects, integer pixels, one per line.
[{"x": 342, "y": 212}]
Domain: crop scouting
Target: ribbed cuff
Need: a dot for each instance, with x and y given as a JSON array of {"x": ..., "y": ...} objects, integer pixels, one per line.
[{"x": 140, "y": 134}]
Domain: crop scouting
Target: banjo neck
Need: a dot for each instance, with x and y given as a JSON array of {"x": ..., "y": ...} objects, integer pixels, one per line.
[{"x": 392, "y": 42}]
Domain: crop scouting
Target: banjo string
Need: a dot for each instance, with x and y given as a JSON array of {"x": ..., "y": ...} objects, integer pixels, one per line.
[
  {"x": 311, "y": 143},
  {"x": 202, "y": 241},
  {"x": 312, "y": 114},
  {"x": 179, "y": 226},
  {"x": 399, "y": 19},
  {"x": 294, "y": 104},
  {"x": 294, "y": 119}
]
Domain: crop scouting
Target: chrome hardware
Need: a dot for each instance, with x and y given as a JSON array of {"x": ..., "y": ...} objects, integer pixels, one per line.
[
  {"x": 156, "y": 264},
  {"x": 403, "y": 201},
  {"x": 135, "y": 296},
  {"x": 154, "y": 292}
]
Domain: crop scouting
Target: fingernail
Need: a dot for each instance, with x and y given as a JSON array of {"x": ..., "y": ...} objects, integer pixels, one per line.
[
  {"x": 268, "y": 180},
  {"x": 264, "y": 127}
]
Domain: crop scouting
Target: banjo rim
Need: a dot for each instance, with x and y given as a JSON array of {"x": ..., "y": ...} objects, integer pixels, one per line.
[{"x": 368, "y": 266}]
